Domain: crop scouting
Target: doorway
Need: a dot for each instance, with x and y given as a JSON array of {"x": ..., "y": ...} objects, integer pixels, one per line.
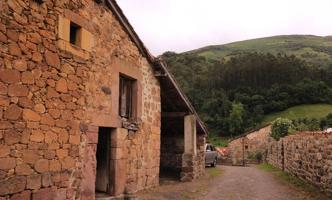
[
  {"x": 171, "y": 149},
  {"x": 103, "y": 157}
]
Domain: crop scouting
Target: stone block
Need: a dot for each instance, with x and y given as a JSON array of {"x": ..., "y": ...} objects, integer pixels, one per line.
[
  {"x": 61, "y": 153},
  {"x": 12, "y": 185},
  {"x": 60, "y": 194},
  {"x": 12, "y": 137},
  {"x": 47, "y": 120},
  {"x": 30, "y": 115},
  {"x": 25, "y": 195},
  {"x": 75, "y": 139},
  {"x": 118, "y": 176},
  {"x": 46, "y": 180},
  {"x": 64, "y": 28},
  {"x": 61, "y": 86},
  {"x": 14, "y": 49},
  {"x": 67, "y": 115},
  {"x": 89, "y": 173},
  {"x": 25, "y": 102},
  {"x": 52, "y": 59},
  {"x": 34, "y": 182},
  {"x": 15, "y": 90},
  {"x": 3, "y": 88},
  {"x": 28, "y": 78},
  {"x": 118, "y": 137},
  {"x": 43, "y": 194},
  {"x": 119, "y": 153},
  {"x": 68, "y": 163},
  {"x": 54, "y": 113},
  {"x": 37, "y": 136},
  {"x": 3, "y": 37},
  {"x": 23, "y": 169},
  {"x": 92, "y": 137},
  {"x": 13, "y": 112},
  {"x": 42, "y": 165},
  {"x": 63, "y": 136},
  {"x": 87, "y": 40},
  {"x": 34, "y": 38},
  {"x": 50, "y": 137},
  {"x": 20, "y": 65},
  {"x": 30, "y": 156},
  {"x": 7, "y": 163},
  {"x": 67, "y": 69},
  {"x": 4, "y": 150}
]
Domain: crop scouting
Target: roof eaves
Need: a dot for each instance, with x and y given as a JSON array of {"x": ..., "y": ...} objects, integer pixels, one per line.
[
  {"x": 182, "y": 95},
  {"x": 156, "y": 63}
]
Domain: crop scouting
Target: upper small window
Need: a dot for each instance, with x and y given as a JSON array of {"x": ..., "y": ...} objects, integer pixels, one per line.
[
  {"x": 126, "y": 97},
  {"x": 75, "y": 34}
]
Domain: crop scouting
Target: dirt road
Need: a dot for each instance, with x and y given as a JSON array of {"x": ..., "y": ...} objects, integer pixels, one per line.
[{"x": 234, "y": 183}]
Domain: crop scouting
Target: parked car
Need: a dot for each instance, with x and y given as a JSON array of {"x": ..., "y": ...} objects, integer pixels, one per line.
[{"x": 211, "y": 155}]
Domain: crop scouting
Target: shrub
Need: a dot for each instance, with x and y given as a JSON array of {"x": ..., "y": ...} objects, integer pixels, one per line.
[
  {"x": 259, "y": 156},
  {"x": 280, "y": 128}
]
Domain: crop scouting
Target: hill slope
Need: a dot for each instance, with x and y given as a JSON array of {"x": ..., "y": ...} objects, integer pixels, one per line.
[
  {"x": 309, "y": 111},
  {"x": 234, "y": 86},
  {"x": 313, "y": 49}
]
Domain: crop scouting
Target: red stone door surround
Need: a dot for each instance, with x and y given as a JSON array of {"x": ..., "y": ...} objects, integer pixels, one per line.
[
  {"x": 118, "y": 163},
  {"x": 112, "y": 120}
]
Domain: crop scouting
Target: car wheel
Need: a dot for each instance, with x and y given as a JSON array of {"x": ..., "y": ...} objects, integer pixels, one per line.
[{"x": 214, "y": 164}]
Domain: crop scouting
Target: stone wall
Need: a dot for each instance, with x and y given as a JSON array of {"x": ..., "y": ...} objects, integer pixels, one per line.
[
  {"x": 171, "y": 158},
  {"x": 52, "y": 101},
  {"x": 193, "y": 166},
  {"x": 305, "y": 155},
  {"x": 250, "y": 145},
  {"x": 200, "y": 158}
]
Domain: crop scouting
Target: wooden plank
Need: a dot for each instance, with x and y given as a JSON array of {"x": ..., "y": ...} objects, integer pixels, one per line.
[{"x": 173, "y": 114}]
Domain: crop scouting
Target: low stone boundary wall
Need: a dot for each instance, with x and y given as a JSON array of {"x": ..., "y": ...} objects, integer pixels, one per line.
[{"x": 305, "y": 155}]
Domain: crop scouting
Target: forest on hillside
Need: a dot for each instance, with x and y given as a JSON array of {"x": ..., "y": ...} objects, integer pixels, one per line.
[{"x": 233, "y": 95}]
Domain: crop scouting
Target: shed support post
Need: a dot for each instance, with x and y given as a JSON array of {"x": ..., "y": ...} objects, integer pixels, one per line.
[{"x": 190, "y": 135}]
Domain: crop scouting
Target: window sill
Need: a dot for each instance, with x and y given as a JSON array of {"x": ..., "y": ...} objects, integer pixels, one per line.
[
  {"x": 73, "y": 49},
  {"x": 130, "y": 125}
]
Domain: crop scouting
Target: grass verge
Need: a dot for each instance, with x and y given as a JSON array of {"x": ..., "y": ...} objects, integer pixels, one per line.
[
  {"x": 284, "y": 176},
  {"x": 213, "y": 171},
  {"x": 202, "y": 186}
]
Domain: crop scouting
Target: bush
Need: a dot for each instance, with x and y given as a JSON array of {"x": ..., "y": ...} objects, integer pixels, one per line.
[
  {"x": 259, "y": 156},
  {"x": 280, "y": 128}
]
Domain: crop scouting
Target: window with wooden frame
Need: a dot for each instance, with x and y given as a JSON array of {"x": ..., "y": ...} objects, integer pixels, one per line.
[{"x": 126, "y": 97}]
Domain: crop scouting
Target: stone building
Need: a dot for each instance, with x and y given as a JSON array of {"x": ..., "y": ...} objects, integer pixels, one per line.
[
  {"x": 85, "y": 110},
  {"x": 246, "y": 147}
]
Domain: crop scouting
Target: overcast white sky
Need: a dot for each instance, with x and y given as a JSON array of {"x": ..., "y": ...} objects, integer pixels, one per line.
[{"x": 182, "y": 25}]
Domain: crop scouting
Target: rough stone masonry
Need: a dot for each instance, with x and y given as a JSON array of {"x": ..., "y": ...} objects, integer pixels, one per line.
[
  {"x": 61, "y": 64},
  {"x": 51, "y": 102},
  {"x": 306, "y": 155}
]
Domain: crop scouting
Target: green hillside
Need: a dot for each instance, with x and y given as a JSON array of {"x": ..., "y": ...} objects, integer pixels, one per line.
[
  {"x": 302, "y": 111},
  {"x": 313, "y": 49},
  {"x": 235, "y": 86}
]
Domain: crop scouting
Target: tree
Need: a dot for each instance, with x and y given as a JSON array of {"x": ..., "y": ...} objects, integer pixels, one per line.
[
  {"x": 280, "y": 128},
  {"x": 236, "y": 119},
  {"x": 262, "y": 83}
]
